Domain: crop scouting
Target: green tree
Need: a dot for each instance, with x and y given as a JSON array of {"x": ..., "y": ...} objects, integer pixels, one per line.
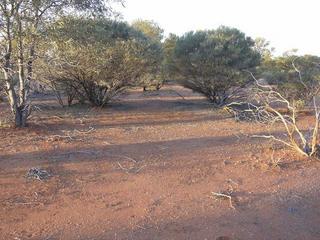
[
  {"x": 263, "y": 47},
  {"x": 153, "y": 78},
  {"x": 21, "y": 22},
  {"x": 212, "y": 62},
  {"x": 149, "y": 28},
  {"x": 169, "y": 65},
  {"x": 297, "y": 77},
  {"x": 99, "y": 67}
]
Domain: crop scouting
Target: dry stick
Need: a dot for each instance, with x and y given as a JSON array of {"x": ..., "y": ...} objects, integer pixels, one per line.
[
  {"x": 225, "y": 196},
  {"x": 299, "y": 73},
  {"x": 60, "y": 136},
  {"x": 123, "y": 168},
  {"x": 60, "y": 118},
  {"x": 139, "y": 169},
  {"x": 91, "y": 129},
  {"x": 68, "y": 136},
  {"x": 22, "y": 203},
  {"x": 273, "y": 138},
  {"x": 130, "y": 169},
  {"x": 287, "y": 124},
  {"x": 122, "y": 156},
  {"x": 290, "y": 133}
]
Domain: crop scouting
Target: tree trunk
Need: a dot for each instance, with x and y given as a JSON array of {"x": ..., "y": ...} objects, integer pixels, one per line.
[{"x": 20, "y": 116}]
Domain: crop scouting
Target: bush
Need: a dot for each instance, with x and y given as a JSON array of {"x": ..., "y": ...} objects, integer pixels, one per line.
[
  {"x": 297, "y": 78},
  {"x": 212, "y": 62},
  {"x": 153, "y": 78},
  {"x": 98, "y": 60},
  {"x": 169, "y": 65}
]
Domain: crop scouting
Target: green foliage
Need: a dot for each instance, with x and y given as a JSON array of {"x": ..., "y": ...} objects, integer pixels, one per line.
[
  {"x": 149, "y": 28},
  {"x": 21, "y": 27},
  {"x": 212, "y": 62},
  {"x": 95, "y": 60},
  {"x": 284, "y": 72},
  {"x": 263, "y": 47},
  {"x": 155, "y": 74},
  {"x": 169, "y": 64}
]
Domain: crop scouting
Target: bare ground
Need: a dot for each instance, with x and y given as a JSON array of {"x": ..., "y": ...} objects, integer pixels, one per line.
[{"x": 145, "y": 167}]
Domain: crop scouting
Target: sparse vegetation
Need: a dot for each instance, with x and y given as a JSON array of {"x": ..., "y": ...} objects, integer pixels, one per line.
[
  {"x": 21, "y": 24},
  {"x": 135, "y": 132}
]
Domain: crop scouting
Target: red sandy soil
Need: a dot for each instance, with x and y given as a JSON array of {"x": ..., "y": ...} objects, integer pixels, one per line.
[{"x": 145, "y": 167}]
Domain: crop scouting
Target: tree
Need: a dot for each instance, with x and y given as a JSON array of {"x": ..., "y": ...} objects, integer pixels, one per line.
[
  {"x": 297, "y": 77},
  {"x": 262, "y": 46},
  {"x": 154, "y": 75},
  {"x": 212, "y": 62},
  {"x": 149, "y": 28},
  {"x": 99, "y": 67},
  {"x": 1, "y": 87},
  {"x": 169, "y": 65},
  {"x": 21, "y": 22}
]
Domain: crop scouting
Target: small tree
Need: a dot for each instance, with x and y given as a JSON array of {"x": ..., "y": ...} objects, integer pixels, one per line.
[
  {"x": 211, "y": 62},
  {"x": 169, "y": 65},
  {"x": 297, "y": 77},
  {"x": 98, "y": 67},
  {"x": 21, "y": 22},
  {"x": 153, "y": 76},
  {"x": 262, "y": 46},
  {"x": 149, "y": 28}
]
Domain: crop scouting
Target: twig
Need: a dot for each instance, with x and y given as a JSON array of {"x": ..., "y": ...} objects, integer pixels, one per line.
[
  {"x": 123, "y": 168},
  {"x": 137, "y": 171},
  {"x": 224, "y": 196},
  {"x": 91, "y": 129},
  {"x": 60, "y": 118},
  {"x": 299, "y": 73},
  {"x": 122, "y": 156},
  {"x": 128, "y": 170}
]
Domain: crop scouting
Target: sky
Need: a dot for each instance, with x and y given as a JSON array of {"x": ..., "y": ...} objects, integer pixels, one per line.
[{"x": 285, "y": 24}]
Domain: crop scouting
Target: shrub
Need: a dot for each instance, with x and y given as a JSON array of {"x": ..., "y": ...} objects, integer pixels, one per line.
[
  {"x": 297, "y": 78},
  {"x": 153, "y": 77},
  {"x": 169, "y": 64},
  {"x": 211, "y": 62},
  {"x": 98, "y": 60}
]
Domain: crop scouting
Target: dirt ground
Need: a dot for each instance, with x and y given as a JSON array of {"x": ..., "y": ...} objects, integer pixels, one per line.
[{"x": 146, "y": 167}]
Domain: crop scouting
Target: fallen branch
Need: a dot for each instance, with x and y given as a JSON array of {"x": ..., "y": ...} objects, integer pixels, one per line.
[
  {"x": 224, "y": 196},
  {"x": 91, "y": 129},
  {"x": 132, "y": 169},
  {"x": 122, "y": 156},
  {"x": 296, "y": 138},
  {"x": 57, "y": 137}
]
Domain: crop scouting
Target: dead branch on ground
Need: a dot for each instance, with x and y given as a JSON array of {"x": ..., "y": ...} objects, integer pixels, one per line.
[
  {"x": 296, "y": 139},
  {"x": 224, "y": 196}
]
